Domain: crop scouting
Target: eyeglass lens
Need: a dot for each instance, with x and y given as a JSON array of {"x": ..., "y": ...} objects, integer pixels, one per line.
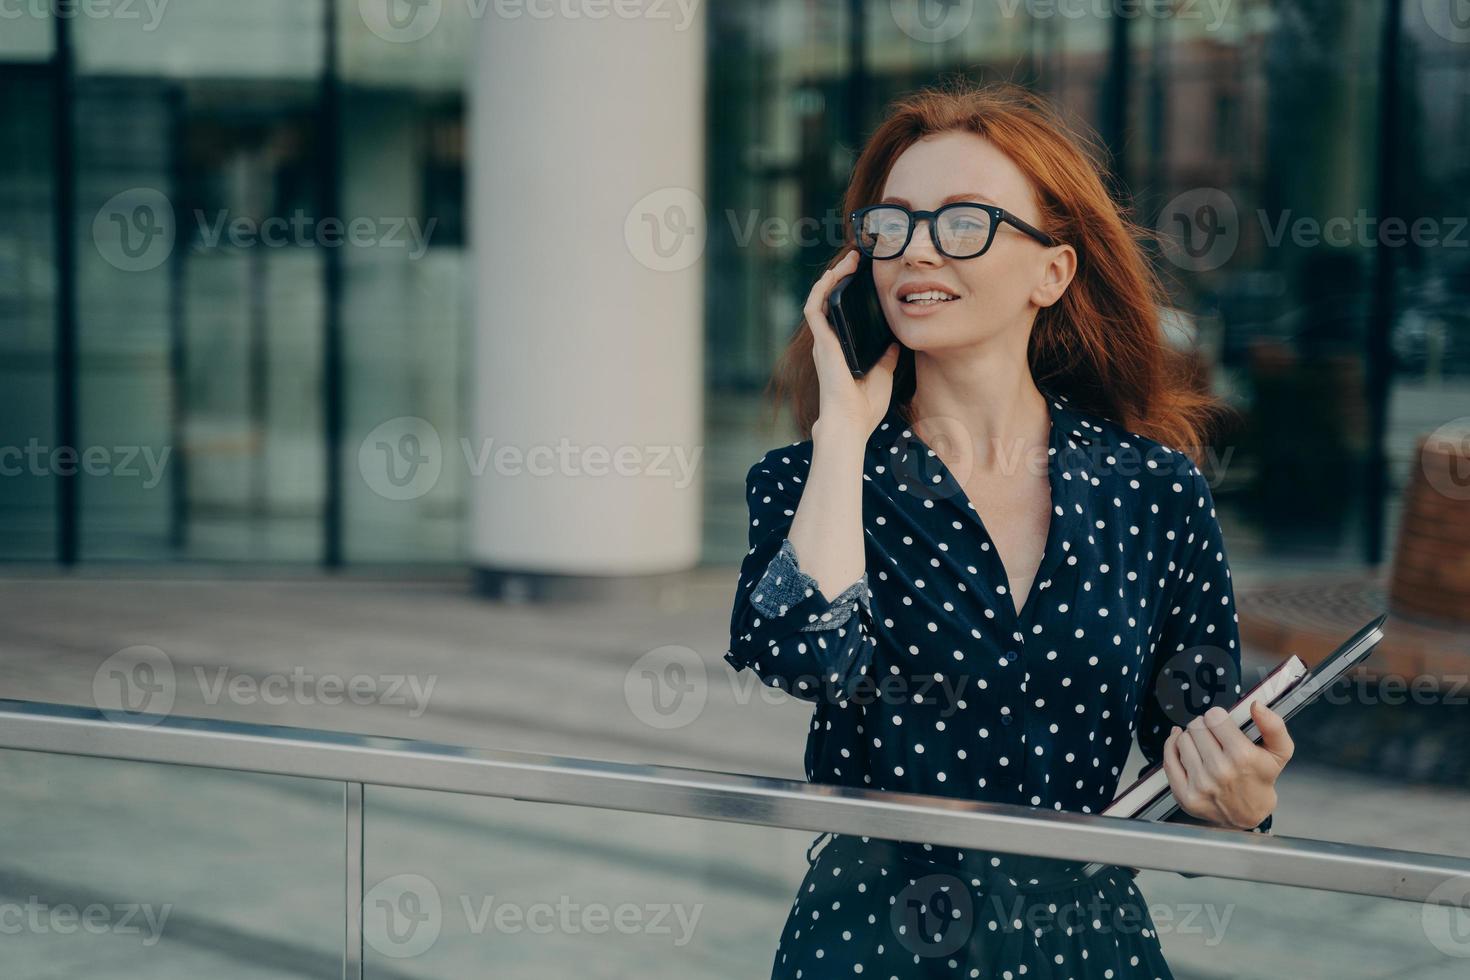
[{"x": 962, "y": 230}]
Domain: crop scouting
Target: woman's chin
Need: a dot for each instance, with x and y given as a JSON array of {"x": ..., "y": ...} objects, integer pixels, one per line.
[
  {"x": 932, "y": 334},
  {"x": 926, "y": 333}
]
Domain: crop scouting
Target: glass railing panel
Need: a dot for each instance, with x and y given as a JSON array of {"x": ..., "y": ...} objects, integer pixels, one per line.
[
  {"x": 1219, "y": 927},
  {"x": 463, "y": 886},
  {"x": 135, "y": 870},
  {"x": 460, "y": 886},
  {"x": 153, "y": 870}
]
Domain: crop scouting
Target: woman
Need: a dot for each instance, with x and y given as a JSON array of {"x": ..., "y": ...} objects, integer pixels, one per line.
[{"x": 992, "y": 562}]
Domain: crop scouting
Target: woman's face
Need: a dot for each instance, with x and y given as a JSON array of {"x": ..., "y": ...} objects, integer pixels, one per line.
[{"x": 997, "y": 293}]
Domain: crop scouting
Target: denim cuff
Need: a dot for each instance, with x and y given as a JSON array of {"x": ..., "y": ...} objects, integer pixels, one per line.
[{"x": 784, "y": 585}]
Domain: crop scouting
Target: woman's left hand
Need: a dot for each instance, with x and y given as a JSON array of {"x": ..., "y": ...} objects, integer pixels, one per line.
[{"x": 1219, "y": 775}]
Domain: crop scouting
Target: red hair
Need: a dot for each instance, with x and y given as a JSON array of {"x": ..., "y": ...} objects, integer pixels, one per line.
[{"x": 1102, "y": 344}]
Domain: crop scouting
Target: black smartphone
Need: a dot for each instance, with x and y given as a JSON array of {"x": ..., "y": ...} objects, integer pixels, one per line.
[{"x": 857, "y": 317}]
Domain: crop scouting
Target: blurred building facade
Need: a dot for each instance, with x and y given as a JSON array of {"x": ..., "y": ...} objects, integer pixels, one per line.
[{"x": 173, "y": 305}]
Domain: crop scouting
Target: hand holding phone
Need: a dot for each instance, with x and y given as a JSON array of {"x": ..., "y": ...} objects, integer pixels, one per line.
[
  {"x": 857, "y": 317},
  {"x": 855, "y": 399}
]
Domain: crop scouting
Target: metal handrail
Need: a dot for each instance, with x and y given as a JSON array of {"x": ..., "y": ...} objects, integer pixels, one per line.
[{"x": 789, "y": 804}]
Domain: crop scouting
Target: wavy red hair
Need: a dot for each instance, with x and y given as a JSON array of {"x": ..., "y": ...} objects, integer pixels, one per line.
[{"x": 1102, "y": 344}]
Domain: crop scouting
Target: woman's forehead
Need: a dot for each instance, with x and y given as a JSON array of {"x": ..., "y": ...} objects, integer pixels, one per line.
[{"x": 953, "y": 166}]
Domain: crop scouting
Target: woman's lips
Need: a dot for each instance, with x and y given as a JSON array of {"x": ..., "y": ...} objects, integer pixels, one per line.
[{"x": 924, "y": 309}]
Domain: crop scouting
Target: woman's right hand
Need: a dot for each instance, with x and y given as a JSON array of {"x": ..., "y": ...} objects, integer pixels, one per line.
[{"x": 846, "y": 404}]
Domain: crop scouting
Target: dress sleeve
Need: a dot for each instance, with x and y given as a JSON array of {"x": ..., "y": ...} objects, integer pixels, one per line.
[
  {"x": 782, "y": 626},
  {"x": 1196, "y": 652}
]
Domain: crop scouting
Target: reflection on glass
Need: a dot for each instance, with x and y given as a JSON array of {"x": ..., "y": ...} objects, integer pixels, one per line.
[
  {"x": 454, "y": 883},
  {"x": 457, "y": 886},
  {"x": 152, "y": 872}
]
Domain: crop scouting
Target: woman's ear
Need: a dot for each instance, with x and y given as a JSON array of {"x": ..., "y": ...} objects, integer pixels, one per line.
[{"x": 1056, "y": 275}]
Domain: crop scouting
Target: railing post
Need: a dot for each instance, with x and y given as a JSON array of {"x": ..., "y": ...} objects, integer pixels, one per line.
[{"x": 352, "y": 933}]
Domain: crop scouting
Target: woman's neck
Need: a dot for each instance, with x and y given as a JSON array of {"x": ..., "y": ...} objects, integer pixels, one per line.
[{"x": 996, "y": 406}]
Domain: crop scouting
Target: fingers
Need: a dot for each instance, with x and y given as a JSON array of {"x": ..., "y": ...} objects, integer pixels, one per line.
[
  {"x": 1205, "y": 762},
  {"x": 826, "y": 349},
  {"x": 1211, "y": 758},
  {"x": 1174, "y": 769},
  {"x": 1222, "y": 744},
  {"x": 1194, "y": 766},
  {"x": 1181, "y": 764},
  {"x": 1274, "y": 737},
  {"x": 815, "y": 308}
]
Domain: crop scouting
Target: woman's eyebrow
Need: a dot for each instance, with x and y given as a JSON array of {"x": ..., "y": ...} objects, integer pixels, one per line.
[{"x": 962, "y": 196}]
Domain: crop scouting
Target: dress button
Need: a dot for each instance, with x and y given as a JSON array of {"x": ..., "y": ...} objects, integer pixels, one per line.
[
  {"x": 1005, "y": 719},
  {"x": 1011, "y": 656}
]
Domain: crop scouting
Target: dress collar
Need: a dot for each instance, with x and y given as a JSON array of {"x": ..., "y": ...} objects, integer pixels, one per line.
[
  {"x": 907, "y": 466},
  {"x": 1069, "y": 418}
]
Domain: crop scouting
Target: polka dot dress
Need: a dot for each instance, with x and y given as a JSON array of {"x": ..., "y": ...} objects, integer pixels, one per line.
[{"x": 925, "y": 679}]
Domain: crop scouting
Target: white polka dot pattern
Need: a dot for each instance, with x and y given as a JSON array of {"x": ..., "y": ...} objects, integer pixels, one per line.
[
  {"x": 925, "y": 679},
  {"x": 923, "y": 676}
]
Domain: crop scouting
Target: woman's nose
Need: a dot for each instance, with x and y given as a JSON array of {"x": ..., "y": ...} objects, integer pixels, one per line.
[{"x": 921, "y": 245}]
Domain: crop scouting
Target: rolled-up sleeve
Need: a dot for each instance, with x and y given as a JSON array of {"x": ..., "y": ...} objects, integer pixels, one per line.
[
  {"x": 782, "y": 626},
  {"x": 1196, "y": 653}
]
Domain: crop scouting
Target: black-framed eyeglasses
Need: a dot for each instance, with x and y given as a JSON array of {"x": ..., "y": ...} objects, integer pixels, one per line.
[{"x": 961, "y": 230}]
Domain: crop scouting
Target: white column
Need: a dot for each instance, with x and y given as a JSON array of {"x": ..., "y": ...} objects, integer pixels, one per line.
[{"x": 586, "y": 182}]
